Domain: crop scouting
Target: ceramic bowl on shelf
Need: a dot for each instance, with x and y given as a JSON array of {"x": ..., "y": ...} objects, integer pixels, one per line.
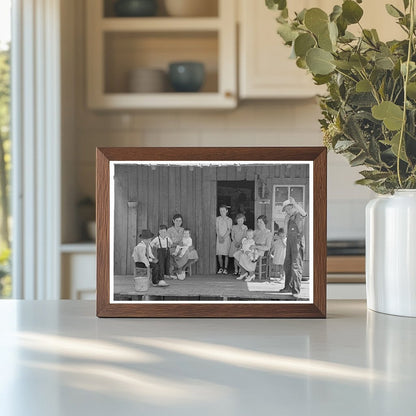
[
  {"x": 186, "y": 76},
  {"x": 92, "y": 230},
  {"x": 135, "y": 8},
  {"x": 147, "y": 81},
  {"x": 191, "y": 8}
]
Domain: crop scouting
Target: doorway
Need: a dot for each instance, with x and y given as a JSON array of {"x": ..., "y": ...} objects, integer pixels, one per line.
[{"x": 238, "y": 196}]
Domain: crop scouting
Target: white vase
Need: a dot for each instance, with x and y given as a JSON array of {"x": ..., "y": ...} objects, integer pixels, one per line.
[{"x": 391, "y": 253}]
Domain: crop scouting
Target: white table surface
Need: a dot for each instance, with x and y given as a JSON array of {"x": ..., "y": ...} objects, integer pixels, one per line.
[{"x": 57, "y": 358}]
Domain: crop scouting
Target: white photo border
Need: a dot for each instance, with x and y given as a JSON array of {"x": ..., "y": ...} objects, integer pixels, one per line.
[{"x": 112, "y": 164}]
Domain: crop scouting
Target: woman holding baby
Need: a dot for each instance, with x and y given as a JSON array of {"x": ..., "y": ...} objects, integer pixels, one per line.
[
  {"x": 183, "y": 253},
  {"x": 247, "y": 259}
]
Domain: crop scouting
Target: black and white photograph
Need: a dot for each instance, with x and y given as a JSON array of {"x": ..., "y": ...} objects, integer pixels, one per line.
[{"x": 211, "y": 232}]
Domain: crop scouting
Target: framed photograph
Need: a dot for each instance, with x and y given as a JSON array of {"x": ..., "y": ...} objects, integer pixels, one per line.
[{"x": 211, "y": 232}]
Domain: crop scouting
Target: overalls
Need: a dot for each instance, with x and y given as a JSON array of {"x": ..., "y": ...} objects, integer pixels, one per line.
[
  {"x": 293, "y": 264},
  {"x": 163, "y": 256}
]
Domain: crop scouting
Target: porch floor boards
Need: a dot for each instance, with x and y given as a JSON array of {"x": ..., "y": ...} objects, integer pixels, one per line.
[{"x": 208, "y": 286}]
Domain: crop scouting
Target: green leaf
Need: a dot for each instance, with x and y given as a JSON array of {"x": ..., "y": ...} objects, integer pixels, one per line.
[
  {"x": 325, "y": 42},
  {"x": 406, "y": 4},
  {"x": 411, "y": 90},
  {"x": 333, "y": 32},
  {"x": 368, "y": 36},
  {"x": 365, "y": 182},
  {"x": 319, "y": 61},
  {"x": 336, "y": 12},
  {"x": 358, "y": 160},
  {"x": 321, "y": 79},
  {"x": 351, "y": 11},
  {"x": 343, "y": 145},
  {"x": 345, "y": 65},
  {"x": 363, "y": 86},
  {"x": 375, "y": 35},
  {"x": 303, "y": 43},
  {"x": 394, "y": 145},
  {"x": 287, "y": 33},
  {"x": 358, "y": 61},
  {"x": 342, "y": 25},
  {"x": 374, "y": 174},
  {"x": 391, "y": 114},
  {"x": 384, "y": 62},
  {"x": 316, "y": 20},
  {"x": 301, "y": 15},
  {"x": 393, "y": 11},
  {"x": 301, "y": 63},
  {"x": 276, "y": 4},
  {"x": 347, "y": 37}
]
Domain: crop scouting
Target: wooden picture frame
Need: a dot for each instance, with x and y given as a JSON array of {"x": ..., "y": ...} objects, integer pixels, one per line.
[{"x": 280, "y": 164}]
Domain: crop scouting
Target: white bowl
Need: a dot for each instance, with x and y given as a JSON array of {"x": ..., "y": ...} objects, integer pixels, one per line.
[
  {"x": 92, "y": 230},
  {"x": 147, "y": 80},
  {"x": 191, "y": 8}
]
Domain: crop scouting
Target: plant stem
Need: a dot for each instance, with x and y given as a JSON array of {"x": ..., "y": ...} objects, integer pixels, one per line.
[{"x": 405, "y": 81}]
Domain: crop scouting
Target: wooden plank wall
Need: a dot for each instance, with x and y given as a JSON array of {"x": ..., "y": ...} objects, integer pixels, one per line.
[{"x": 147, "y": 196}]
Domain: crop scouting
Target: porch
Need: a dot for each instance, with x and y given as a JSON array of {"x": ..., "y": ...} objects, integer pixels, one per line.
[{"x": 207, "y": 288}]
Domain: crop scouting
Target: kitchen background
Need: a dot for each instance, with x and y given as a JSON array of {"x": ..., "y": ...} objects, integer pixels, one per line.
[{"x": 287, "y": 117}]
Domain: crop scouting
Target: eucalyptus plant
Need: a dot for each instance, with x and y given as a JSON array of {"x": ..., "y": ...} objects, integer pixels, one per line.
[{"x": 369, "y": 111}]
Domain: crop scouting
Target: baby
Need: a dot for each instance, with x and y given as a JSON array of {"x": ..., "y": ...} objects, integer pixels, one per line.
[
  {"x": 186, "y": 243},
  {"x": 248, "y": 246}
]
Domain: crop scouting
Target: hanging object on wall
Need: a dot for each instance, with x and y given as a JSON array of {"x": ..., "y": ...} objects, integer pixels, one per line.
[{"x": 262, "y": 191}]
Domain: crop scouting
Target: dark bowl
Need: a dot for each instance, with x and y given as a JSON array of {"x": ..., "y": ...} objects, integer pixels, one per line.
[
  {"x": 135, "y": 8},
  {"x": 186, "y": 76}
]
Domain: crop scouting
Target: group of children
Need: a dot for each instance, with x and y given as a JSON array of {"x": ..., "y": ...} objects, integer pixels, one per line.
[
  {"x": 155, "y": 253},
  {"x": 238, "y": 237}
]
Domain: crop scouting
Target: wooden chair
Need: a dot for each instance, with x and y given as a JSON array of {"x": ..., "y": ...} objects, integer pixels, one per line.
[{"x": 263, "y": 267}]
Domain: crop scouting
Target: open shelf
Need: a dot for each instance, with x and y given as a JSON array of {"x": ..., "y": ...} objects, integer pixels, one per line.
[
  {"x": 210, "y": 7},
  {"x": 160, "y": 24},
  {"x": 127, "y": 51},
  {"x": 116, "y": 46}
]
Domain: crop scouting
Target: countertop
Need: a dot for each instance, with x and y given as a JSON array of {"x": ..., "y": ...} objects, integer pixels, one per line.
[{"x": 57, "y": 358}]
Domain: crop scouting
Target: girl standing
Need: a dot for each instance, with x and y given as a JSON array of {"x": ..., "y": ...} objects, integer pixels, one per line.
[
  {"x": 223, "y": 228},
  {"x": 238, "y": 232}
]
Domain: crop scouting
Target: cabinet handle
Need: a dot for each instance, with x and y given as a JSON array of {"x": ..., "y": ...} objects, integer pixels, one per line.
[{"x": 229, "y": 94}]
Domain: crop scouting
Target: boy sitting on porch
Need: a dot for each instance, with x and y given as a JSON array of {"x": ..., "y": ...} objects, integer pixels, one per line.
[{"x": 144, "y": 258}]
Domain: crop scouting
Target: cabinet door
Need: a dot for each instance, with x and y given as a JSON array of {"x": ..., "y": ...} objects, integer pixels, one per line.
[
  {"x": 265, "y": 68},
  {"x": 266, "y": 71}
]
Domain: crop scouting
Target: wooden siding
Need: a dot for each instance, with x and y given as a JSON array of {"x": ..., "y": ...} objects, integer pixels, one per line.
[{"x": 147, "y": 196}]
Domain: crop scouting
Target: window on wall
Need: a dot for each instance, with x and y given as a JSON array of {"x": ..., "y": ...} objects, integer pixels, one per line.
[{"x": 5, "y": 148}]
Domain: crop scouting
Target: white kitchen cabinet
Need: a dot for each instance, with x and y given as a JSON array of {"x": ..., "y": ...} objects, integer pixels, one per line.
[
  {"x": 78, "y": 264},
  {"x": 118, "y": 45},
  {"x": 265, "y": 70}
]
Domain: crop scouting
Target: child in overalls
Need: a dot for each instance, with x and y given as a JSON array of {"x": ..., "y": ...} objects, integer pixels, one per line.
[
  {"x": 162, "y": 243},
  {"x": 144, "y": 258},
  {"x": 278, "y": 253}
]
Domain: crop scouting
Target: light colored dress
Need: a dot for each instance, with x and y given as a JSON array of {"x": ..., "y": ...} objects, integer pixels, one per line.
[
  {"x": 223, "y": 227},
  {"x": 262, "y": 238},
  {"x": 279, "y": 251},
  {"x": 190, "y": 256},
  {"x": 237, "y": 235}
]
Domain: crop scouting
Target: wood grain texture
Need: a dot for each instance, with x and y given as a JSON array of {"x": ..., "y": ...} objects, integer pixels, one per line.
[
  {"x": 346, "y": 264},
  {"x": 208, "y": 187}
]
